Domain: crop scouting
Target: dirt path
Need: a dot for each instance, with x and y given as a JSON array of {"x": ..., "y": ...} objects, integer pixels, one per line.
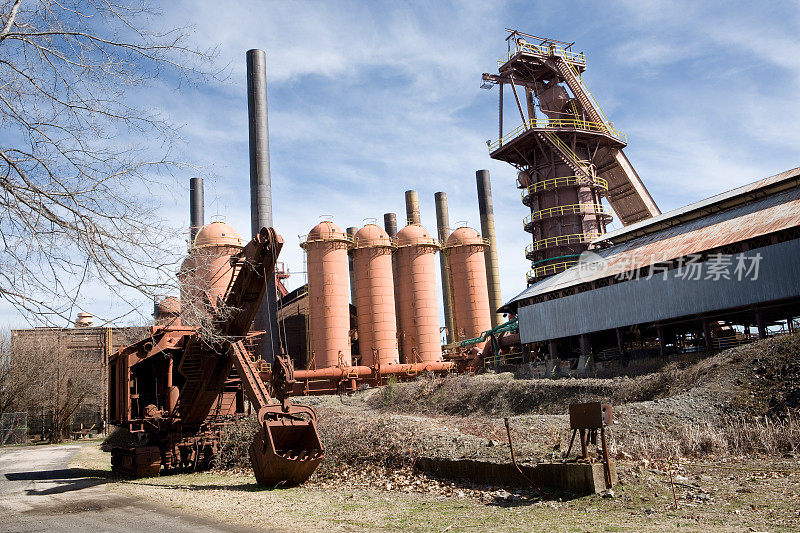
[{"x": 40, "y": 492}]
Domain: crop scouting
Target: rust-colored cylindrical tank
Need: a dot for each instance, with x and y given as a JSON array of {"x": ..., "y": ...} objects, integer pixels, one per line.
[
  {"x": 415, "y": 276},
  {"x": 465, "y": 254},
  {"x": 328, "y": 295},
  {"x": 167, "y": 312},
  {"x": 374, "y": 291},
  {"x": 207, "y": 269}
]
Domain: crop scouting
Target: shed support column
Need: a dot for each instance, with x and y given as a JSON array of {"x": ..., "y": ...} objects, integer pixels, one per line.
[
  {"x": 789, "y": 325},
  {"x": 662, "y": 342},
  {"x": 551, "y": 365},
  {"x": 707, "y": 336},
  {"x": 623, "y": 354},
  {"x": 584, "y": 360},
  {"x": 761, "y": 324}
]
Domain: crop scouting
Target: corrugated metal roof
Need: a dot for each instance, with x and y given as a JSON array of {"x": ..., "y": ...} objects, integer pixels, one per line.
[
  {"x": 702, "y": 205},
  {"x": 758, "y": 217}
]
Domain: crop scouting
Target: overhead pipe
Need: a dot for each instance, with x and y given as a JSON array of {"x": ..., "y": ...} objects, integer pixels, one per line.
[
  {"x": 443, "y": 227},
  {"x": 413, "y": 215},
  {"x": 196, "y": 208},
  {"x": 261, "y": 193},
  {"x": 487, "y": 229}
]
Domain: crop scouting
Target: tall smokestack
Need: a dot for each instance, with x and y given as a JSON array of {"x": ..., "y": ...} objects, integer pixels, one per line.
[
  {"x": 487, "y": 228},
  {"x": 412, "y": 208},
  {"x": 390, "y": 224},
  {"x": 196, "y": 208},
  {"x": 261, "y": 191},
  {"x": 351, "y": 232},
  {"x": 443, "y": 226}
]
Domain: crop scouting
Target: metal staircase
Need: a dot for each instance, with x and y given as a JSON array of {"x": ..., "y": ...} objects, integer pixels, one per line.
[{"x": 581, "y": 167}]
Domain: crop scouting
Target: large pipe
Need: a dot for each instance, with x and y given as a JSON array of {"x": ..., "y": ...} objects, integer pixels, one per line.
[
  {"x": 412, "y": 208},
  {"x": 351, "y": 234},
  {"x": 390, "y": 224},
  {"x": 196, "y": 208},
  {"x": 261, "y": 192},
  {"x": 443, "y": 227},
  {"x": 487, "y": 228}
]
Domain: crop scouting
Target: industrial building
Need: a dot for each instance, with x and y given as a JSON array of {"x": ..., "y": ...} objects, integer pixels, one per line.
[
  {"x": 687, "y": 279},
  {"x": 568, "y": 160}
]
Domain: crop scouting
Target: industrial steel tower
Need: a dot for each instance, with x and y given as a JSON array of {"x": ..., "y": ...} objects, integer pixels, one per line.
[{"x": 568, "y": 158}]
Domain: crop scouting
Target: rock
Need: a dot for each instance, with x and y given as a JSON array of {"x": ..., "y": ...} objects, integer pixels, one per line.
[{"x": 608, "y": 494}]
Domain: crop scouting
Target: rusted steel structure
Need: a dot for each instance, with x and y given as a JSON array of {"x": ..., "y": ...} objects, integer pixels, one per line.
[
  {"x": 329, "y": 318},
  {"x": 207, "y": 272},
  {"x": 568, "y": 159},
  {"x": 415, "y": 276},
  {"x": 178, "y": 387},
  {"x": 465, "y": 251},
  {"x": 371, "y": 252}
]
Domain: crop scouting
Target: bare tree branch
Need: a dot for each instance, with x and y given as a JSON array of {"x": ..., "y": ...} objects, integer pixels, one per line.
[{"x": 79, "y": 157}]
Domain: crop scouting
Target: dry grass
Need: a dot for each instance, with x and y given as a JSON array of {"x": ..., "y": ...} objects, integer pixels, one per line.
[
  {"x": 765, "y": 374},
  {"x": 734, "y": 437}
]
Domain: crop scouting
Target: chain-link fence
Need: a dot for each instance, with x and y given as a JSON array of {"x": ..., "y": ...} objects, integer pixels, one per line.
[{"x": 13, "y": 428}]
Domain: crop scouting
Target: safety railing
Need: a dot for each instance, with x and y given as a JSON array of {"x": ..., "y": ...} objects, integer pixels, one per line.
[
  {"x": 564, "y": 181},
  {"x": 572, "y": 209},
  {"x": 480, "y": 242},
  {"x": 561, "y": 240},
  {"x": 514, "y": 358},
  {"x": 592, "y": 100},
  {"x": 556, "y": 124},
  {"x": 544, "y": 50},
  {"x": 549, "y": 269}
]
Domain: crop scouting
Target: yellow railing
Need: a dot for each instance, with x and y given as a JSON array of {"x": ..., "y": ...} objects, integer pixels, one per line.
[
  {"x": 589, "y": 94},
  {"x": 546, "y": 270},
  {"x": 564, "y": 181},
  {"x": 545, "y": 50},
  {"x": 561, "y": 240},
  {"x": 514, "y": 358},
  {"x": 579, "y": 164},
  {"x": 573, "y": 209},
  {"x": 559, "y": 123}
]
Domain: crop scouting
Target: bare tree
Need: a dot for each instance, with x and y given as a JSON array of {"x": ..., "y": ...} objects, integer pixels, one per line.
[
  {"x": 57, "y": 379},
  {"x": 78, "y": 157}
]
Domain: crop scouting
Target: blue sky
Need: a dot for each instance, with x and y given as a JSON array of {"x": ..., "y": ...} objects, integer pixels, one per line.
[{"x": 369, "y": 99}]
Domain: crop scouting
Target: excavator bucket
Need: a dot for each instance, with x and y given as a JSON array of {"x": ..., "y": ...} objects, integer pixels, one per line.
[{"x": 285, "y": 451}]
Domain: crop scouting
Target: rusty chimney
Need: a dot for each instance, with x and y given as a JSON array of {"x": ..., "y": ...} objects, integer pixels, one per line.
[
  {"x": 412, "y": 208},
  {"x": 196, "y": 208},
  {"x": 390, "y": 224},
  {"x": 443, "y": 227},
  {"x": 261, "y": 192},
  {"x": 487, "y": 228}
]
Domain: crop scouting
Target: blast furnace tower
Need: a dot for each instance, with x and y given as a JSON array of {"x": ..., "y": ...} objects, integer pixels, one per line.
[{"x": 567, "y": 153}]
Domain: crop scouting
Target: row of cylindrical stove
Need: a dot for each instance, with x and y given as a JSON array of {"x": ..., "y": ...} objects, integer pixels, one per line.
[{"x": 395, "y": 295}]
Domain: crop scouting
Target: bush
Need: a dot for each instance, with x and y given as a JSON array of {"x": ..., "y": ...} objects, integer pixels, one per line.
[{"x": 235, "y": 443}]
